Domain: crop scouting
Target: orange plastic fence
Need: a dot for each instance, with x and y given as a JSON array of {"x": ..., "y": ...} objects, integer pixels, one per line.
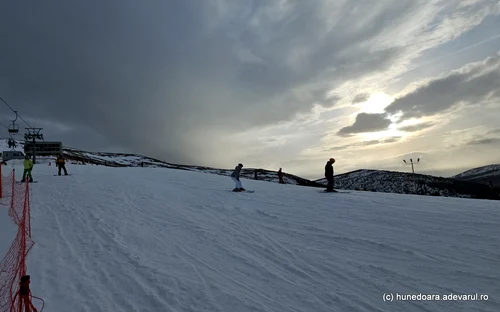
[{"x": 15, "y": 295}]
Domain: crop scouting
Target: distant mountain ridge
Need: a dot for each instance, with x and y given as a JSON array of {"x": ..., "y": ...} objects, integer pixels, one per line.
[
  {"x": 482, "y": 174},
  {"x": 132, "y": 160},
  {"x": 468, "y": 184},
  {"x": 363, "y": 179},
  {"x": 408, "y": 183}
]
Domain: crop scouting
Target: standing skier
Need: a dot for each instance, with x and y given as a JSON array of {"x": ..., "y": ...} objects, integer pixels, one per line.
[
  {"x": 28, "y": 167},
  {"x": 280, "y": 177},
  {"x": 61, "y": 164},
  {"x": 329, "y": 175},
  {"x": 235, "y": 176}
]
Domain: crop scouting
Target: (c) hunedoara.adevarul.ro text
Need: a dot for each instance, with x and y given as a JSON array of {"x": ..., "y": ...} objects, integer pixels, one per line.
[{"x": 434, "y": 297}]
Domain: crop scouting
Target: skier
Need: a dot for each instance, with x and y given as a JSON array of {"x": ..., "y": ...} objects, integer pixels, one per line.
[
  {"x": 235, "y": 176},
  {"x": 280, "y": 176},
  {"x": 329, "y": 175},
  {"x": 28, "y": 166},
  {"x": 61, "y": 164}
]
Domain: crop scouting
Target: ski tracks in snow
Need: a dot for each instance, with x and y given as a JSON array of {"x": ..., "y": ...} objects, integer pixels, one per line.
[
  {"x": 87, "y": 244},
  {"x": 162, "y": 243}
]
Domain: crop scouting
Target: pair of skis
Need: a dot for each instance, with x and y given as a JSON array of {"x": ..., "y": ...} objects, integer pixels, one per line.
[
  {"x": 245, "y": 191},
  {"x": 322, "y": 191},
  {"x": 334, "y": 191}
]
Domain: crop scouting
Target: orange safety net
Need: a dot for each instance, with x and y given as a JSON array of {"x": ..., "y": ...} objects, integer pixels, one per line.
[{"x": 15, "y": 295}]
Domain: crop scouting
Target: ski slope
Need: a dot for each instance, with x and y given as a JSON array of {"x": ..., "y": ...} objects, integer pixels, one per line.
[{"x": 148, "y": 239}]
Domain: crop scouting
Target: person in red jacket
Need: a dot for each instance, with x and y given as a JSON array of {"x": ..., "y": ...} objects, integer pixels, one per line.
[{"x": 280, "y": 176}]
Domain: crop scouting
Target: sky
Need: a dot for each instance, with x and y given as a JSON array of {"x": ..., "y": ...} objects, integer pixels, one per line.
[{"x": 270, "y": 83}]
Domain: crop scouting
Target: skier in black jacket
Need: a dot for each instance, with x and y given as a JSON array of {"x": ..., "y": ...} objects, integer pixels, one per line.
[{"x": 329, "y": 175}]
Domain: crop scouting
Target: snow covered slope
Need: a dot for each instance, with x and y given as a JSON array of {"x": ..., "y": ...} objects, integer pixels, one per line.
[
  {"x": 147, "y": 239},
  {"x": 407, "y": 183},
  {"x": 482, "y": 174},
  {"x": 132, "y": 160},
  {"x": 368, "y": 180},
  {"x": 80, "y": 157}
]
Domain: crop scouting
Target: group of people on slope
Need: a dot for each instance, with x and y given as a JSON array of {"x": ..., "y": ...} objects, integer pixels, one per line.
[
  {"x": 28, "y": 167},
  {"x": 235, "y": 176}
]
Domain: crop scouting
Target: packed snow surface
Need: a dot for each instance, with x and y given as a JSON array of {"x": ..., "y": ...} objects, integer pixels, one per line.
[{"x": 148, "y": 239}]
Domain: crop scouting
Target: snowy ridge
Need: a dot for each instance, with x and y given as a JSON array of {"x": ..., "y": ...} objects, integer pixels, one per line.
[
  {"x": 367, "y": 180},
  {"x": 131, "y": 160},
  {"x": 482, "y": 174},
  {"x": 79, "y": 157},
  {"x": 408, "y": 183},
  {"x": 145, "y": 239},
  {"x": 363, "y": 179}
]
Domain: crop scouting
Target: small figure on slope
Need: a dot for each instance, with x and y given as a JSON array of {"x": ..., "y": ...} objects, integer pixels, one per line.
[
  {"x": 329, "y": 175},
  {"x": 61, "y": 164},
  {"x": 28, "y": 167},
  {"x": 280, "y": 177},
  {"x": 235, "y": 176}
]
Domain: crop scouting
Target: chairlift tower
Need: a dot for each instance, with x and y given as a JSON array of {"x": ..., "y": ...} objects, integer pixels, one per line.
[
  {"x": 413, "y": 171},
  {"x": 33, "y": 134},
  {"x": 411, "y": 163}
]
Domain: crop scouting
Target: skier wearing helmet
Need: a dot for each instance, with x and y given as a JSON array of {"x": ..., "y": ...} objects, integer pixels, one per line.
[
  {"x": 235, "y": 176},
  {"x": 329, "y": 175}
]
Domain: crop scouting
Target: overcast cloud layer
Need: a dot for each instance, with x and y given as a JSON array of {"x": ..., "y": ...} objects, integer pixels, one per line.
[{"x": 270, "y": 83}]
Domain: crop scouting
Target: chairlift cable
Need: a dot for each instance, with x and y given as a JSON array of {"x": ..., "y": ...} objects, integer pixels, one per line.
[{"x": 15, "y": 112}]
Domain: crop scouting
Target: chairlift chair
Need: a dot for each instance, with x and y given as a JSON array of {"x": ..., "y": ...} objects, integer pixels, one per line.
[{"x": 14, "y": 128}]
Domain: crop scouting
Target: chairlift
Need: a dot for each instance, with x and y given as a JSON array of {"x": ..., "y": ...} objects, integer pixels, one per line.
[{"x": 14, "y": 128}]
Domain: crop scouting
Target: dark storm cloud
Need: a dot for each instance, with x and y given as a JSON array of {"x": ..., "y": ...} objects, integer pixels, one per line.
[
  {"x": 330, "y": 102},
  {"x": 494, "y": 131},
  {"x": 484, "y": 141},
  {"x": 170, "y": 78},
  {"x": 390, "y": 140},
  {"x": 360, "y": 98},
  {"x": 470, "y": 85},
  {"x": 366, "y": 123},
  {"x": 363, "y": 144},
  {"x": 417, "y": 127}
]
